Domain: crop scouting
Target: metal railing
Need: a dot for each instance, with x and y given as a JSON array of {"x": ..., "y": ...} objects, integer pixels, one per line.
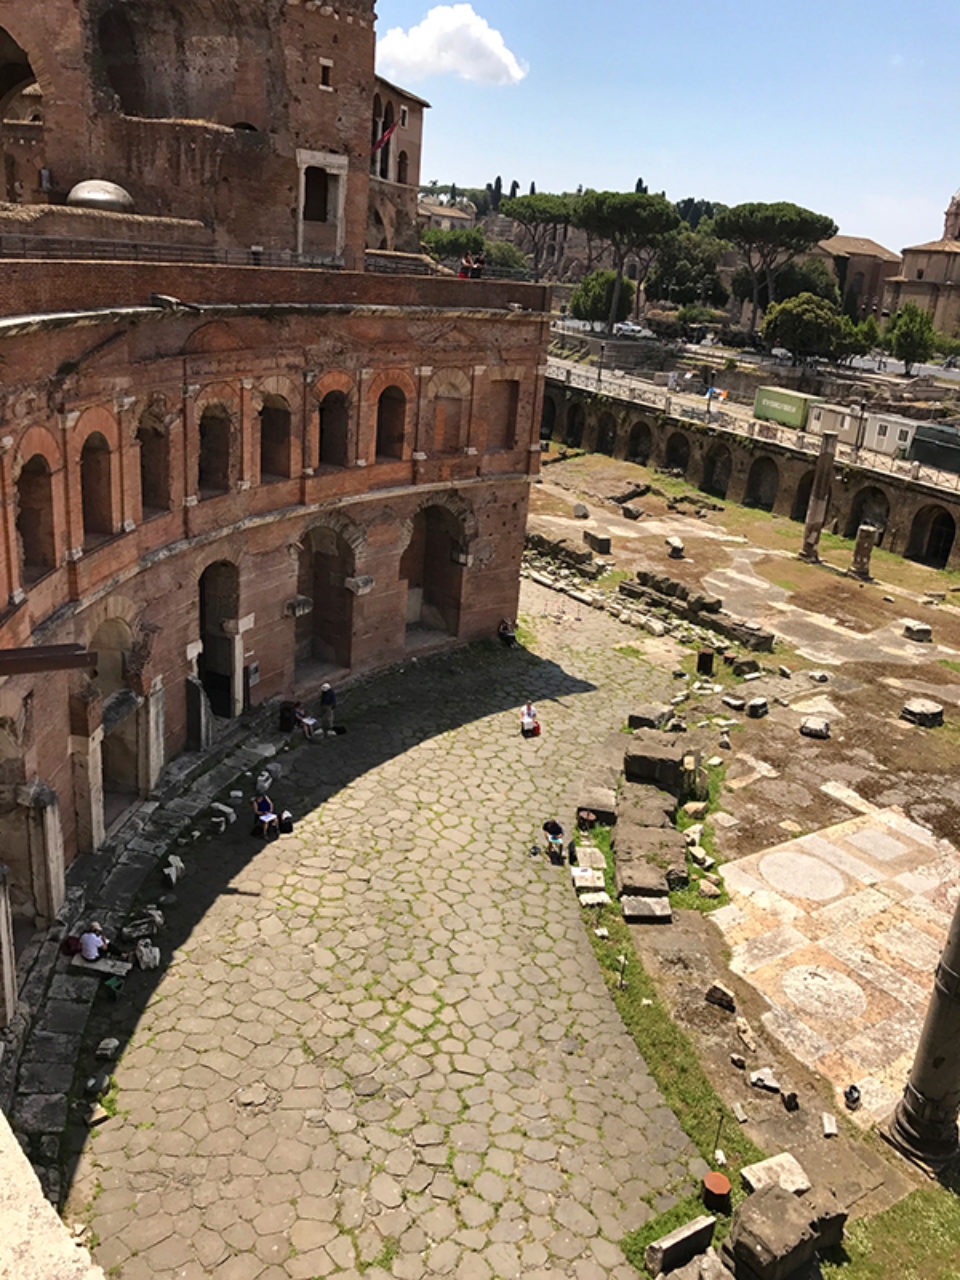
[{"x": 740, "y": 422}]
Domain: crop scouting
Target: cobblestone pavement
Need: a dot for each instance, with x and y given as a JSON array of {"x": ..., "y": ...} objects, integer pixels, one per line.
[{"x": 383, "y": 1043}]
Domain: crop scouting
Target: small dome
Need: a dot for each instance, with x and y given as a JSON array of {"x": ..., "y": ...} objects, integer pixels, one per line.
[{"x": 96, "y": 193}]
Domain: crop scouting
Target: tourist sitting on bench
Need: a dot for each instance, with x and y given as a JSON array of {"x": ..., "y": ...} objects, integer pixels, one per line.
[
  {"x": 307, "y": 723},
  {"x": 507, "y": 633},
  {"x": 267, "y": 819},
  {"x": 93, "y": 945},
  {"x": 554, "y": 833}
]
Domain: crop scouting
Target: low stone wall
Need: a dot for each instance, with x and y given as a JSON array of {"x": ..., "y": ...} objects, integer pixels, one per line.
[{"x": 703, "y": 610}]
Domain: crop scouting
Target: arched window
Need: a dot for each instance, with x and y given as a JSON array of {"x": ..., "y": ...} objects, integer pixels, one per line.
[
  {"x": 384, "y": 152},
  {"x": 403, "y": 168},
  {"x": 214, "y": 462},
  {"x": 16, "y": 74},
  {"x": 391, "y": 423},
  {"x": 35, "y": 519},
  {"x": 154, "y": 461},
  {"x": 334, "y": 426},
  {"x": 118, "y": 51},
  {"x": 274, "y": 439},
  {"x": 375, "y": 131},
  {"x": 95, "y": 489}
]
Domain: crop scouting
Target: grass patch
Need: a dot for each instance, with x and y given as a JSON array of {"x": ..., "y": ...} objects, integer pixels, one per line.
[
  {"x": 526, "y": 636},
  {"x": 670, "y": 1058},
  {"x": 610, "y": 581},
  {"x": 109, "y": 1099},
  {"x": 917, "y": 1239},
  {"x": 630, "y": 651},
  {"x": 949, "y": 663},
  {"x": 384, "y": 1258}
]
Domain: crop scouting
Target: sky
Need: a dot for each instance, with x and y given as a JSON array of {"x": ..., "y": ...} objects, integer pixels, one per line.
[{"x": 849, "y": 107}]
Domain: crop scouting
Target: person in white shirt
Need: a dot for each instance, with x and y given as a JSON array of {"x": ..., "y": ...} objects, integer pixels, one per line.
[
  {"x": 93, "y": 944},
  {"x": 529, "y": 725}
]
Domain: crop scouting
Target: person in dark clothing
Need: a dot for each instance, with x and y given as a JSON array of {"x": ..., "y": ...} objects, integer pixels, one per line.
[
  {"x": 266, "y": 816},
  {"x": 476, "y": 271},
  {"x": 507, "y": 633}
]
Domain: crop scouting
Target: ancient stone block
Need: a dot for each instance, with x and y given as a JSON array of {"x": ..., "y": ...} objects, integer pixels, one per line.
[
  {"x": 587, "y": 878},
  {"x": 580, "y": 511},
  {"x": 649, "y": 715},
  {"x": 745, "y": 666},
  {"x": 675, "y": 548},
  {"x": 597, "y": 542},
  {"x": 815, "y": 727},
  {"x": 922, "y": 632},
  {"x": 783, "y": 1171},
  {"x": 638, "y": 877},
  {"x": 923, "y": 711},
  {"x": 654, "y": 757},
  {"x": 757, "y": 708},
  {"x": 601, "y": 802},
  {"x": 680, "y": 1246},
  {"x": 721, "y": 996},
  {"x": 734, "y": 701},
  {"x": 639, "y": 910},
  {"x": 645, "y": 805},
  {"x": 766, "y": 1080},
  {"x": 771, "y": 1237}
]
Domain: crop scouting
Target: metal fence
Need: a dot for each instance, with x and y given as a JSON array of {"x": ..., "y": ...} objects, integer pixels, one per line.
[{"x": 740, "y": 422}]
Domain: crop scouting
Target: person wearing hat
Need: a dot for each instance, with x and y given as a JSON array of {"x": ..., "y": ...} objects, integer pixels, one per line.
[
  {"x": 93, "y": 944},
  {"x": 328, "y": 705}
]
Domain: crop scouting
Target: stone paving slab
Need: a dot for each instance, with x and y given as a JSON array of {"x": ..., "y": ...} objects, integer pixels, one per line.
[
  {"x": 841, "y": 931},
  {"x": 385, "y": 1039}
]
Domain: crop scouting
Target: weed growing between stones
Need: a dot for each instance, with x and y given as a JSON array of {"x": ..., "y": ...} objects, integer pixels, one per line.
[{"x": 672, "y": 1062}]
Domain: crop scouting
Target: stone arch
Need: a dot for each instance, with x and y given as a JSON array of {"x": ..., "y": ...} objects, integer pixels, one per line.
[
  {"x": 17, "y": 71},
  {"x": 112, "y": 641},
  {"x": 217, "y": 663},
  {"x": 275, "y": 429},
  {"x": 327, "y": 559},
  {"x": 576, "y": 422},
  {"x": 459, "y": 509},
  {"x": 431, "y": 569},
  {"x": 215, "y": 427},
  {"x": 677, "y": 455},
  {"x": 334, "y": 413},
  {"x": 801, "y": 497},
  {"x": 717, "y": 470},
  {"x": 932, "y": 535},
  {"x": 548, "y": 418},
  {"x": 153, "y": 437},
  {"x": 640, "y": 442},
  {"x": 216, "y": 335},
  {"x": 38, "y": 440},
  {"x": 35, "y": 519},
  {"x": 763, "y": 484},
  {"x": 606, "y": 437},
  {"x": 96, "y": 500},
  {"x": 870, "y": 506},
  {"x": 391, "y": 423}
]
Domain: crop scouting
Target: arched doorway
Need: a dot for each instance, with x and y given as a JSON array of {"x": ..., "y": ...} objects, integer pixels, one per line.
[
  {"x": 217, "y": 665},
  {"x": 35, "y": 519},
  {"x": 606, "y": 434},
  {"x": 334, "y": 420},
  {"x": 16, "y": 75},
  {"x": 214, "y": 462},
  {"x": 931, "y": 536},
  {"x": 432, "y": 568},
  {"x": 763, "y": 483},
  {"x": 717, "y": 468},
  {"x": 274, "y": 440},
  {"x": 641, "y": 442},
  {"x": 548, "y": 418},
  {"x": 120, "y": 747},
  {"x": 154, "y": 442},
  {"x": 95, "y": 494},
  {"x": 391, "y": 423},
  {"x": 870, "y": 506},
  {"x": 678, "y": 453},
  {"x": 324, "y": 636},
  {"x": 801, "y": 498},
  {"x": 575, "y": 424}
]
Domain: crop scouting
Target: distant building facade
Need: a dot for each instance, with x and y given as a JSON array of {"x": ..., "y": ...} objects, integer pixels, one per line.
[{"x": 930, "y": 276}]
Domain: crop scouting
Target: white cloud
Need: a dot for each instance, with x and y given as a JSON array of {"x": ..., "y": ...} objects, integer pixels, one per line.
[{"x": 451, "y": 39}]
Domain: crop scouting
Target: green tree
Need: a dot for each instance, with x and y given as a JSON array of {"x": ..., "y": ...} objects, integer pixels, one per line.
[
  {"x": 453, "y": 243},
  {"x": 685, "y": 270},
  {"x": 593, "y": 297},
  {"x": 852, "y": 341},
  {"x": 497, "y": 194},
  {"x": 811, "y": 275},
  {"x": 538, "y": 215},
  {"x": 769, "y": 236},
  {"x": 694, "y": 212},
  {"x": 870, "y": 333},
  {"x": 914, "y": 336},
  {"x": 514, "y": 189},
  {"x": 633, "y": 224},
  {"x": 806, "y": 325},
  {"x": 505, "y": 256}
]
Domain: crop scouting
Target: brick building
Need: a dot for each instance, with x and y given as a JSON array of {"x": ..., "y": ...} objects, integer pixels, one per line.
[{"x": 230, "y": 470}]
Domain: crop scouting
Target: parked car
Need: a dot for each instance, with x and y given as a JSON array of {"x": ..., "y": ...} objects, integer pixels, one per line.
[{"x": 630, "y": 329}]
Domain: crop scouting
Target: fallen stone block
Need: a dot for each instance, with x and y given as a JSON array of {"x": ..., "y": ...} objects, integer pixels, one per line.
[
  {"x": 745, "y": 1032},
  {"x": 721, "y": 996},
  {"x": 738, "y": 1060},
  {"x": 707, "y": 890},
  {"x": 586, "y": 878},
  {"x": 675, "y": 548},
  {"x": 771, "y": 1238},
  {"x": 696, "y": 808},
  {"x": 680, "y": 1246},
  {"x": 108, "y": 1048},
  {"x": 601, "y": 802},
  {"x": 654, "y": 627},
  {"x": 815, "y": 727},
  {"x": 595, "y": 899},
  {"x": 638, "y": 910},
  {"x": 580, "y": 511},
  {"x": 826, "y": 1216},
  {"x": 924, "y": 712},
  {"x": 739, "y": 1112},
  {"x": 757, "y": 708},
  {"x": 734, "y": 701},
  {"x": 597, "y": 542},
  {"x": 785, "y": 672},
  {"x": 656, "y": 758},
  {"x": 789, "y": 1099},
  {"x": 649, "y": 715},
  {"x": 783, "y": 1171},
  {"x": 228, "y": 813},
  {"x": 637, "y": 876},
  {"x": 818, "y": 677},
  {"x": 746, "y": 666},
  {"x": 830, "y": 1128},
  {"x": 922, "y": 632},
  {"x": 765, "y": 1079},
  {"x": 631, "y": 512}
]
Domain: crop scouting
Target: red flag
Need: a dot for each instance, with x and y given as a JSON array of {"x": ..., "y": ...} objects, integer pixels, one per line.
[{"x": 386, "y": 137}]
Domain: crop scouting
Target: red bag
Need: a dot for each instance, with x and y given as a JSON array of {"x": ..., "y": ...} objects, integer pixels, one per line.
[{"x": 536, "y": 728}]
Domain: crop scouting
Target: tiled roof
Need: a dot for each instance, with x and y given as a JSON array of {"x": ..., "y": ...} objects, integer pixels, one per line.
[{"x": 850, "y": 245}]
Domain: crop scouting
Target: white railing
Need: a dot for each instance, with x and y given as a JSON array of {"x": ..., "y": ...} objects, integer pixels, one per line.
[{"x": 739, "y": 421}]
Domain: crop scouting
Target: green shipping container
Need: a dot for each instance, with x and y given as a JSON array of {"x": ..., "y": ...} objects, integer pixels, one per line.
[{"x": 790, "y": 408}]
